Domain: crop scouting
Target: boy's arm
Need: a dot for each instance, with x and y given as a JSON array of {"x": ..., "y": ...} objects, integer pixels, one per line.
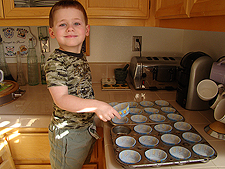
[{"x": 78, "y": 105}]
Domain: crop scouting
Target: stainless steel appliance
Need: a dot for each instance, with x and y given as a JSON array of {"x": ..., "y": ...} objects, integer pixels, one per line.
[
  {"x": 195, "y": 66},
  {"x": 154, "y": 72}
]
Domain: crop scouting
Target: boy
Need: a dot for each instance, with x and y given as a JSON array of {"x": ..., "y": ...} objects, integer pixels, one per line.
[{"x": 69, "y": 82}]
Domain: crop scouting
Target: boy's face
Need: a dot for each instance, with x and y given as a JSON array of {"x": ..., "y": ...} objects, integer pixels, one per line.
[{"x": 69, "y": 29}]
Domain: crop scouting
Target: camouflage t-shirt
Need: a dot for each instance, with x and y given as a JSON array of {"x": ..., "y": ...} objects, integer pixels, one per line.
[{"x": 72, "y": 70}]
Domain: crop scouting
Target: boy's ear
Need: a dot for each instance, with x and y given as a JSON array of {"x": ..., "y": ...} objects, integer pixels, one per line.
[
  {"x": 87, "y": 30},
  {"x": 51, "y": 33}
]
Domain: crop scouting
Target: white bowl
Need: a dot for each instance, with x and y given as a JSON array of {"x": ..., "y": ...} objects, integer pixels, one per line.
[
  {"x": 125, "y": 141},
  {"x": 138, "y": 118},
  {"x": 168, "y": 109},
  {"x": 151, "y": 110},
  {"x": 135, "y": 111},
  {"x": 162, "y": 103},
  {"x": 207, "y": 89},
  {"x": 192, "y": 137},
  {"x": 142, "y": 129},
  {"x": 157, "y": 117},
  {"x": 180, "y": 152},
  {"x": 175, "y": 117},
  {"x": 129, "y": 156},
  {"x": 148, "y": 141},
  {"x": 170, "y": 139},
  {"x": 163, "y": 128},
  {"x": 146, "y": 103},
  {"x": 182, "y": 126},
  {"x": 123, "y": 120},
  {"x": 203, "y": 150},
  {"x": 156, "y": 155}
]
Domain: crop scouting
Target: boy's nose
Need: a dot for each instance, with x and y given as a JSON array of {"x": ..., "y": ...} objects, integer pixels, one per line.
[{"x": 70, "y": 28}]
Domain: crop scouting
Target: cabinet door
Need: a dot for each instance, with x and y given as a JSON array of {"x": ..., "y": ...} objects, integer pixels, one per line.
[
  {"x": 1, "y": 10},
  {"x": 30, "y": 148},
  {"x": 24, "y": 12},
  {"x": 6, "y": 161},
  {"x": 208, "y": 8},
  {"x": 173, "y": 9},
  {"x": 117, "y": 8}
]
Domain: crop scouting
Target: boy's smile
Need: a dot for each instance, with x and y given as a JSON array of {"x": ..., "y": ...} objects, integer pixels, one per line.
[{"x": 69, "y": 29}]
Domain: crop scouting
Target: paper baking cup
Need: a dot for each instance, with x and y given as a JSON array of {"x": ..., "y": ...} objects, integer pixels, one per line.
[
  {"x": 157, "y": 117},
  {"x": 138, "y": 118},
  {"x": 113, "y": 104},
  {"x": 180, "y": 153},
  {"x": 123, "y": 120},
  {"x": 129, "y": 156},
  {"x": 162, "y": 103},
  {"x": 133, "y": 104},
  {"x": 163, "y": 128},
  {"x": 156, "y": 155},
  {"x": 146, "y": 104},
  {"x": 142, "y": 129},
  {"x": 182, "y": 126},
  {"x": 170, "y": 139},
  {"x": 122, "y": 108},
  {"x": 148, "y": 141},
  {"x": 175, "y": 117},
  {"x": 125, "y": 141},
  {"x": 191, "y": 137},
  {"x": 203, "y": 150},
  {"x": 151, "y": 110},
  {"x": 168, "y": 109},
  {"x": 135, "y": 111}
]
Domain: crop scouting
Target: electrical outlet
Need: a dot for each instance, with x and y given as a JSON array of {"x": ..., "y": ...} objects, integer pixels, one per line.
[{"x": 135, "y": 44}]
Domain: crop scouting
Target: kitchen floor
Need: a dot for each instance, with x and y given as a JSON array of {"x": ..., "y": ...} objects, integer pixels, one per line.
[{"x": 37, "y": 103}]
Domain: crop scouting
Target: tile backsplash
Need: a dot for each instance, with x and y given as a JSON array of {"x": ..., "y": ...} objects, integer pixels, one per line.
[{"x": 111, "y": 46}]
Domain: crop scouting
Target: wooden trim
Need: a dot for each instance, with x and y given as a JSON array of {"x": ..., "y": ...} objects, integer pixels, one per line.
[{"x": 1, "y": 10}]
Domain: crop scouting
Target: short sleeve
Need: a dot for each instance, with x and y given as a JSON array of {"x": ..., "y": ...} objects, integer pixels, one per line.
[{"x": 56, "y": 73}]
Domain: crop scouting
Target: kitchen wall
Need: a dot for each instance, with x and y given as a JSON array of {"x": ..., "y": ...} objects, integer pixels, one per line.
[{"x": 111, "y": 46}]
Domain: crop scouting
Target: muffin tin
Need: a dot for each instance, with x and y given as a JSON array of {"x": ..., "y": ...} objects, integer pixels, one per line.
[{"x": 154, "y": 144}]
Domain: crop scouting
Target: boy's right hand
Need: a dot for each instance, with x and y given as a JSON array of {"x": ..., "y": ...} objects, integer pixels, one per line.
[{"x": 106, "y": 112}]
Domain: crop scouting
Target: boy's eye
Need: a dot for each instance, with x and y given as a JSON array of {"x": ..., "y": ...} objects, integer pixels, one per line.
[
  {"x": 62, "y": 24},
  {"x": 76, "y": 23}
]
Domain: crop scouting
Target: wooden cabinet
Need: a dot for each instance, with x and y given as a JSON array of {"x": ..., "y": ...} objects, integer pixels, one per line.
[
  {"x": 207, "y": 15},
  {"x": 99, "y": 12},
  {"x": 30, "y": 149},
  {"x": 6, "y": 161},
  {"x": 1, "y": 10},
  {"x": 189, "y": 8},
  {"x": 35, "y": 12},
  {"x": 207, "y": 8},
  {"x": 136, "y": 9},
  {"x": 173, "y": 9}
]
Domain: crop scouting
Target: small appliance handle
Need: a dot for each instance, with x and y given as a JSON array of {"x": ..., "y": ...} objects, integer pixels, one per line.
[{"x": 221, "y": 60}]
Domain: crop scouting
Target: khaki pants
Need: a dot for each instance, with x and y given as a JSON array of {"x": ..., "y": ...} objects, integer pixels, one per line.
[{"x": 70, "y": 149}]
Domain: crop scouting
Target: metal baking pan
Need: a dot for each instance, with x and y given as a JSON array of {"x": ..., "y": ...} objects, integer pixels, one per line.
[
  {"x": 118, "y": 131},
  {"x": 129, "y": 130}
]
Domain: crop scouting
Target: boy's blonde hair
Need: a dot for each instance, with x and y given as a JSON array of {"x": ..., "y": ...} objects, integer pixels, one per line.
[{"x": 66, "y": 4}]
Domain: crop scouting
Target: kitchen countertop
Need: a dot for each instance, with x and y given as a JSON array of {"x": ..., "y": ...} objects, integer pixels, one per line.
[{"x": 34, "y": 109}]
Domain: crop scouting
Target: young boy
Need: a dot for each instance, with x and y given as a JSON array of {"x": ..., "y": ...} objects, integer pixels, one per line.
[{"x": 69, "y": 82}]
